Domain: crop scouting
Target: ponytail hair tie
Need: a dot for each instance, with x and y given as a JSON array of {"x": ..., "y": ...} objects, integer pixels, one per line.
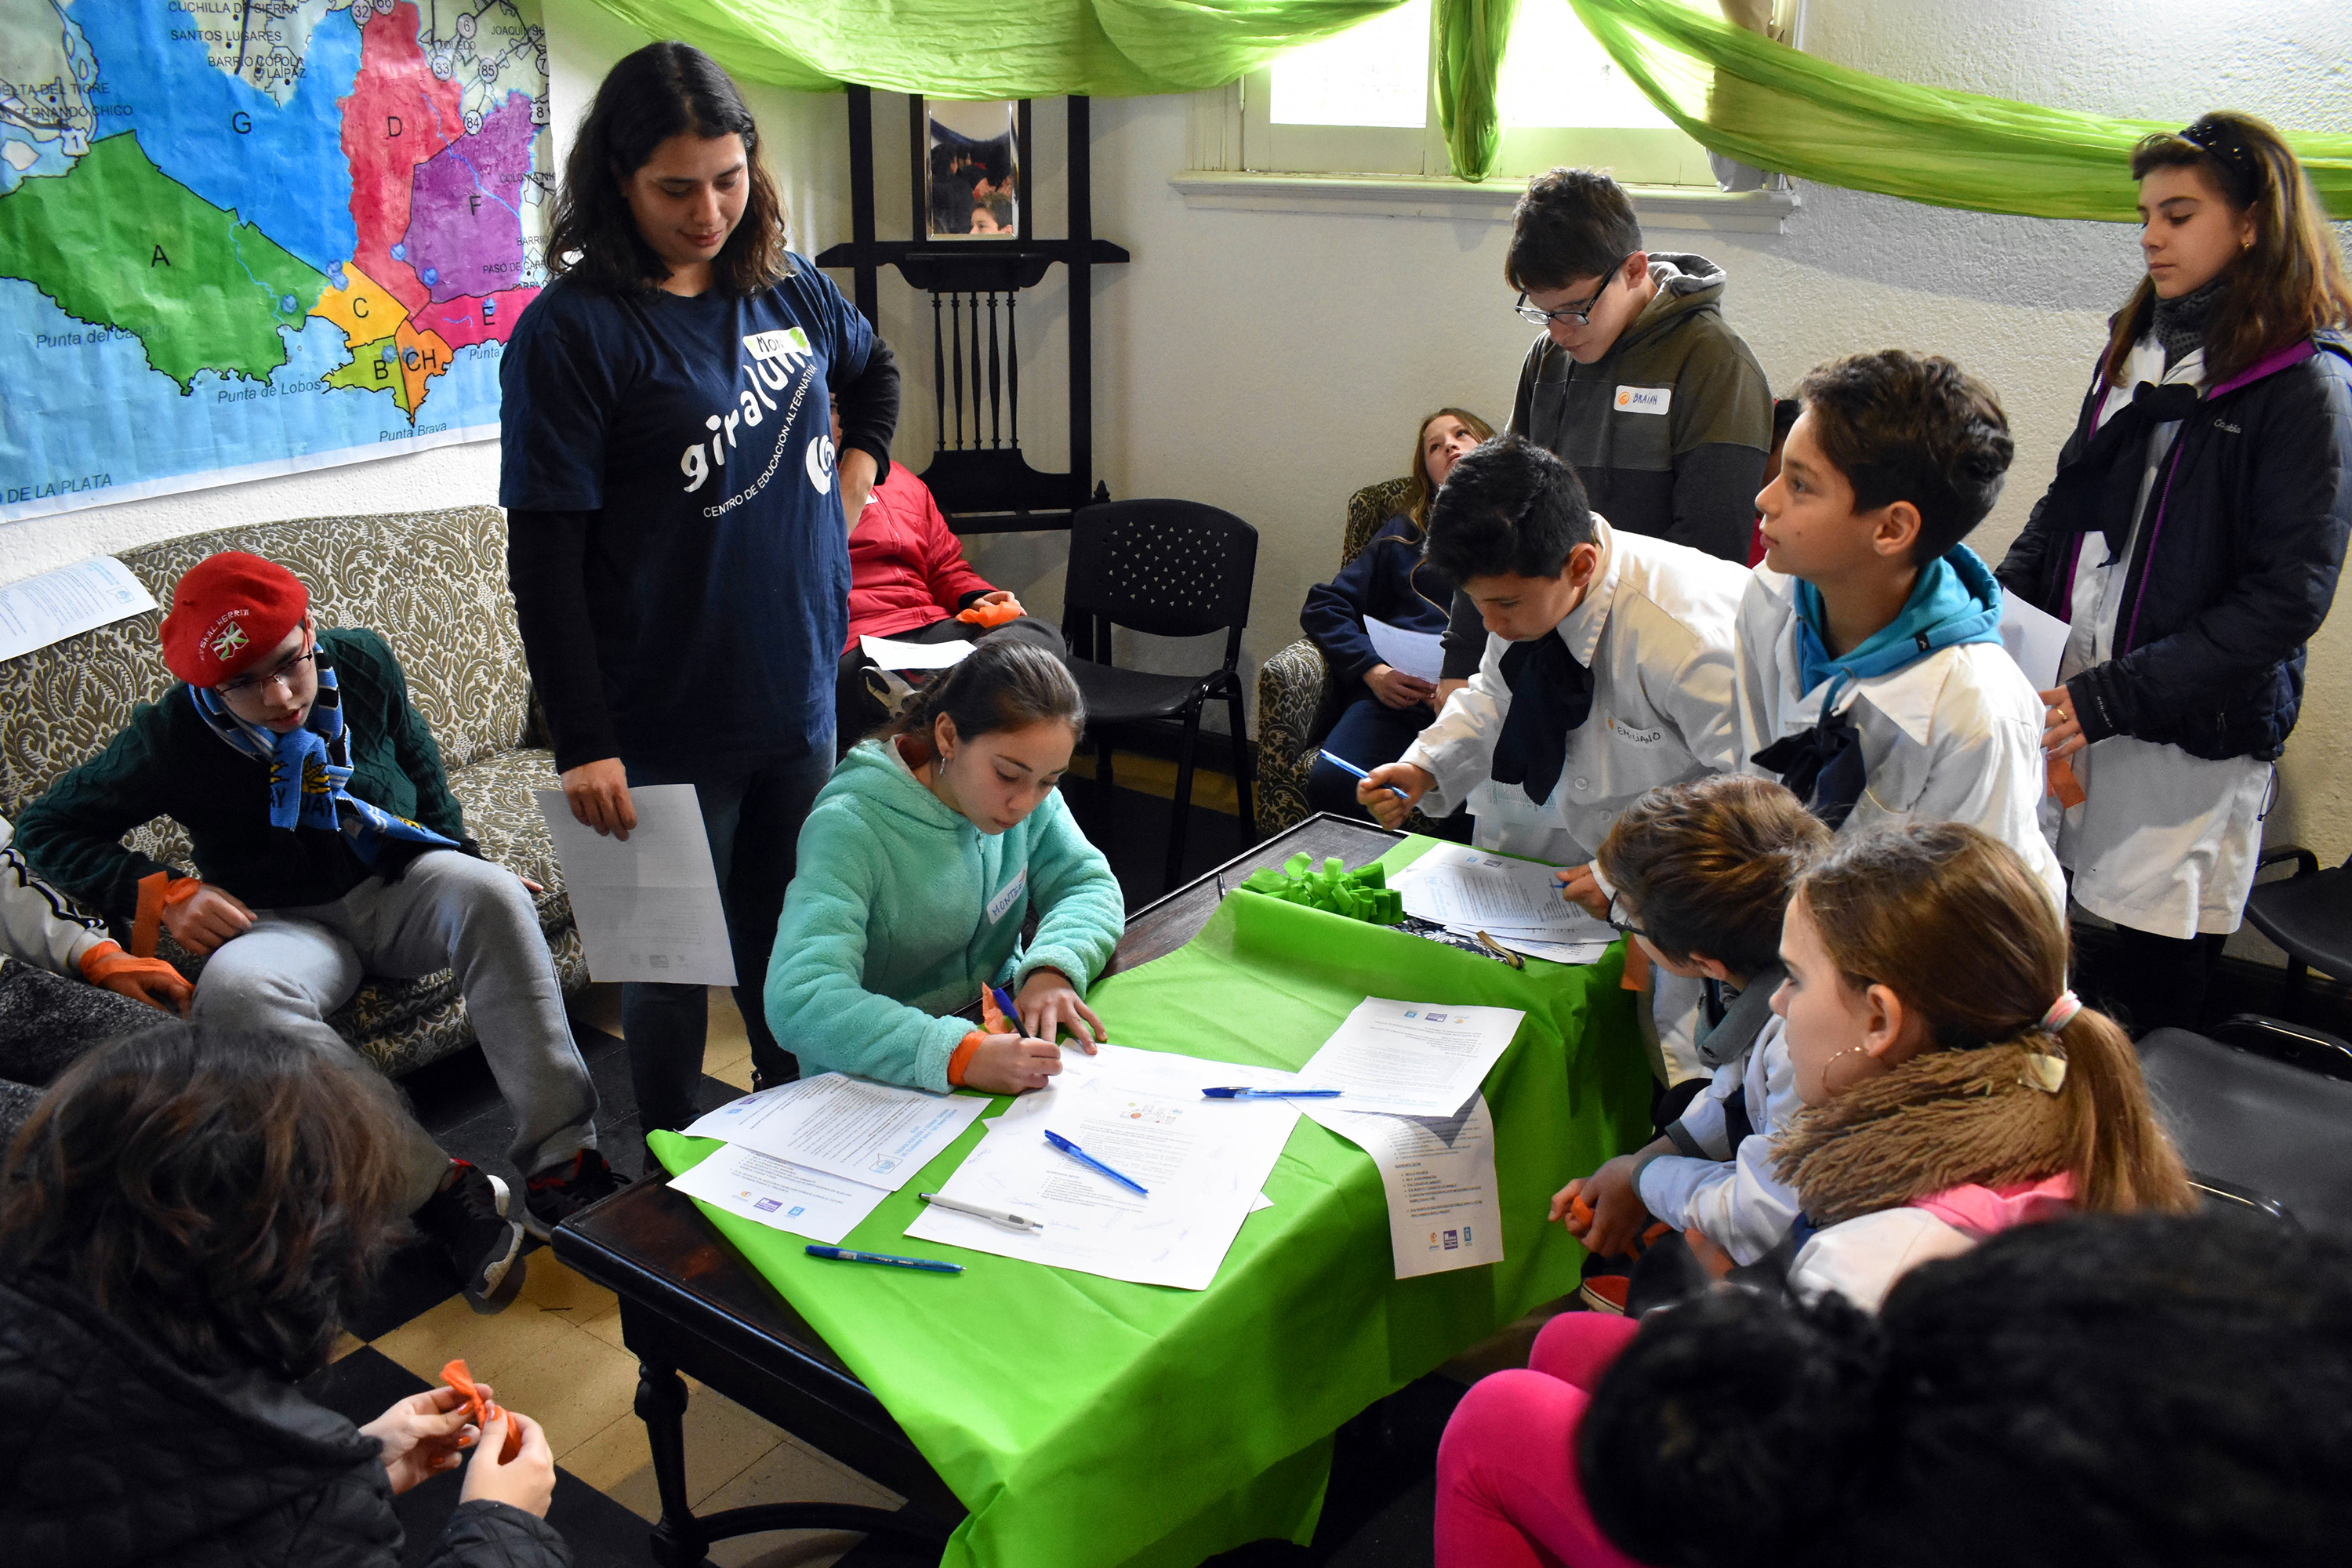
[{"x": 2062, "y": 1013}]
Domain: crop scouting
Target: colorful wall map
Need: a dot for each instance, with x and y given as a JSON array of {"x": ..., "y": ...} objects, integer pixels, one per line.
[{"x": 241, "y": 237}]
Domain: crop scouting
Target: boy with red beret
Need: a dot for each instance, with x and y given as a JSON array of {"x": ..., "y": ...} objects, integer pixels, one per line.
[{"x": 327, "y": 847}]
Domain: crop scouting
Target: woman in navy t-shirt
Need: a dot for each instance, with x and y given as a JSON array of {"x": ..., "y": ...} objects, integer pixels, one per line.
[{"x": 675, "y": 533}]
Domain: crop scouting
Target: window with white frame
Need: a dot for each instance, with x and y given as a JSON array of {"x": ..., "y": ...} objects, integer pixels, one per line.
[{"x": 1365, "y": 102}]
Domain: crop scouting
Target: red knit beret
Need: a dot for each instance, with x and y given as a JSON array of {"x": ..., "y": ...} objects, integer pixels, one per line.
[{"x": 227, "y": 611}]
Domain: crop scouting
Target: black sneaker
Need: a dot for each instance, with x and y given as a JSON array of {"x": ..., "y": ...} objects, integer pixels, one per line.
[
  {"x": 558, "y": 1193},
  {"x": 468, "y": 1219}
]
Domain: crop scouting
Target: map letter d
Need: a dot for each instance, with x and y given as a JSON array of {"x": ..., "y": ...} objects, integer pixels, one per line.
[{"x": 391, "y": 126}]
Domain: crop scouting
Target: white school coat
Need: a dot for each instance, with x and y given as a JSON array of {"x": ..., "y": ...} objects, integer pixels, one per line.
[
  {"x": 1954, "y": 736},
  {"x": 2164, "y": 841},
  {"x": 1656, "y": 629},
  {"x": 1862, "y": 1258},
  {"x": 1740, "y": 1203}
]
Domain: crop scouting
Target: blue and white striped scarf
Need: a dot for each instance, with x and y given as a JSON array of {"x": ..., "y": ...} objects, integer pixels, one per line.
[{"x": 310, "y": 770}]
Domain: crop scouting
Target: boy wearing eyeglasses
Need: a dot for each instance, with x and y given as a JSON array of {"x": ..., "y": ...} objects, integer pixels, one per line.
[
  {"x": 328, "y": 845},
  {"x": 1637, "y": 382}
]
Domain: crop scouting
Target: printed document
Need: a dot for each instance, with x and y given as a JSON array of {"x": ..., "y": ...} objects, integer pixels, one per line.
[
  {"x": 890, "y": 653},
  {"x": 1203, "y": 1162},
  {"x": 877, "y": 1133},
  {"x": 1439, "y": 1175},
  {"x": 647, "y": 909},
  {"x": 1411, "y": 1058},
  {"x": 742, "y": 1180},
  {"x": 1415, "y": 653},
  {"x": 37, "y": 611},
  {"x": 1471, "y": 891}
]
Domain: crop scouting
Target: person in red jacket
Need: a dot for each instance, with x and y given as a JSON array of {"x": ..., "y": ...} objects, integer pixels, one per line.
[{"x": 908, "y": 581}]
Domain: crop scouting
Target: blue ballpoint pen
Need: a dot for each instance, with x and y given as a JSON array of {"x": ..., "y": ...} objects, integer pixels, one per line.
[
  {"x": 1345, "y": 766},
  {"x": 846, "y": 1255},
  {"x": 1272, "y": 1093},
  {"x": 1075, "y": 1153}
]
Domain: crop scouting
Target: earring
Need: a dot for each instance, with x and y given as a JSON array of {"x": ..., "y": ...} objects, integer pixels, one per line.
[{"x": 1834, "y": 1062}]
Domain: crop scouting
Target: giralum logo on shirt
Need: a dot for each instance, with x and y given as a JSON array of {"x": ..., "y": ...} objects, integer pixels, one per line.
[{"x": 775, "y": 358}]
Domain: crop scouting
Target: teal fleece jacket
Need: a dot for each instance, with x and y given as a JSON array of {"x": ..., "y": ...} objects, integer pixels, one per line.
[{"x": 902, "y": 909}]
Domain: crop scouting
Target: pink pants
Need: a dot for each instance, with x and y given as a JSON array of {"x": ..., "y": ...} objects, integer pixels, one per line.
[{"x": 1508, "y": 1493}]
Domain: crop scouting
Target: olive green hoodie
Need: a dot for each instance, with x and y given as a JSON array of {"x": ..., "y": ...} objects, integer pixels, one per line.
[{"x": 1669, "y": 428}]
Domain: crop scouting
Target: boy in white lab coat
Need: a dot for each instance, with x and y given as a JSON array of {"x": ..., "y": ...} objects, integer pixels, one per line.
[
  {"x": 1608, "y": 671},
  {"x": 1872, "y": 678}
]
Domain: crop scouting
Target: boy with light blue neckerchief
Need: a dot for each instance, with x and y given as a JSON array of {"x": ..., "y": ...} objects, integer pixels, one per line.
[{"x": 1872, "y": 681}]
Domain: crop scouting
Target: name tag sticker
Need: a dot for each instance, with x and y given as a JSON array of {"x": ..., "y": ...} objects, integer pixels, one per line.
[
  {"x": 782, "y": 343},
  {"x": 1643, "y": 399},
  {"x": 1007, "y": 895}
]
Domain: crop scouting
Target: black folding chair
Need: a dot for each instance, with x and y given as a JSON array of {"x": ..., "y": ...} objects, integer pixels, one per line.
[
  {"x": 2309, "y": 914},
  {"x": 2253, "y": 1127},
  {"x": 1167, "y": 568}
]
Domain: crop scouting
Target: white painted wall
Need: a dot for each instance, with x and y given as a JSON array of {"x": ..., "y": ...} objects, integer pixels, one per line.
[{"x": 1272, "y": 363}]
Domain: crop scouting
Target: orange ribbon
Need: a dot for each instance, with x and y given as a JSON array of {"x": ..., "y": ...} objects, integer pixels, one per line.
[{"x": 484, "y": 1411}]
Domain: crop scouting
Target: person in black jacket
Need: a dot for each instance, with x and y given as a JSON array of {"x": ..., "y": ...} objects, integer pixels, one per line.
[
  {"x": 189, "y": 1210},
  {"x": 1382, "y": 708},
  {"x": 2192, "y": 538},
  {"x": 677, "y": 528}
]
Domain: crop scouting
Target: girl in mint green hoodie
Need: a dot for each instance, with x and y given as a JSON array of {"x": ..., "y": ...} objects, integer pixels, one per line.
[{"x": 917, "y": 865}]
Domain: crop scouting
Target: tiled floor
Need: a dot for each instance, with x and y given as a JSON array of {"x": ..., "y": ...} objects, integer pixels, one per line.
[{"x": 555, "y": 1352}]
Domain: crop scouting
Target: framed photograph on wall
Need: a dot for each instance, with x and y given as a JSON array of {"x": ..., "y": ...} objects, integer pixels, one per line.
[{"x": 973, "y": 182}]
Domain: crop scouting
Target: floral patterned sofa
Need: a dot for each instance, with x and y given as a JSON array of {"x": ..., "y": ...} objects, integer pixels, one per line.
[
  {"x": 1298, "y": 701},
  {"x": 433, "y": 584}
]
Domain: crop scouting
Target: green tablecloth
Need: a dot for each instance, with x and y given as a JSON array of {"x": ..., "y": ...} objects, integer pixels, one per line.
[{"x": 1088, "y": 1422}]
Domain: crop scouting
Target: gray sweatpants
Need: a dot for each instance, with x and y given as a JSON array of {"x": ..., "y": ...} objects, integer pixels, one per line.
[{"x": 450, "y": 910}]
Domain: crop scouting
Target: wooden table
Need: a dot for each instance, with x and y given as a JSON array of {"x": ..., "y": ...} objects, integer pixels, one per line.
[{"x": 691, "y": 1305}]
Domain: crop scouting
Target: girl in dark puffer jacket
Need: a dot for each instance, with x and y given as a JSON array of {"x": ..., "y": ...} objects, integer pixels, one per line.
[
  {"x": 2192, "y": 539},
  {"x": 187, "y": 1212}
]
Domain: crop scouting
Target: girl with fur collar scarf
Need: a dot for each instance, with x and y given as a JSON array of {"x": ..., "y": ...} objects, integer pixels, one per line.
[{"x": 1953, "y": 1086}]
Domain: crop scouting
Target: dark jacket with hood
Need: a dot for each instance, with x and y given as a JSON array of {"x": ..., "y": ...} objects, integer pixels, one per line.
[
  {"x": 2233, "y": 561},
  {"x": 1668, "y": 430},
  {"x": 1389, "y": 579},
  {"x": 111, "y": 1455}
]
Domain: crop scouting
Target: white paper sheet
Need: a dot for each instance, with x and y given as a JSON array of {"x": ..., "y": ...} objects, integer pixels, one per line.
[
  {"x": 37, "y": 611},
  {"x": 648, "y": 908},
  {"x": 1556, "y": 952},
  {"x": 1411, "y": 1058},
  {"x": 2035, "y": 639},
  {"x": 877, "y": 1133},
  {"x": 1470, "y": 890},
  {"x": 1439, "y": 1175},
  {"x": 892, "y": 654},
  {"x": 1415, "y": 653},
  {"x": 1140, "y": 1112},
  {"x": 777, "y": 1192}
]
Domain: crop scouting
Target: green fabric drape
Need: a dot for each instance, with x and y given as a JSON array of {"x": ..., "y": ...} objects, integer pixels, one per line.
[
  {"x": 1470, "y": 38},
  {"x": 990, "y": 49},
  {"x": 1733, "y": 92},
  {"x": 1766, "y": 104}
]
